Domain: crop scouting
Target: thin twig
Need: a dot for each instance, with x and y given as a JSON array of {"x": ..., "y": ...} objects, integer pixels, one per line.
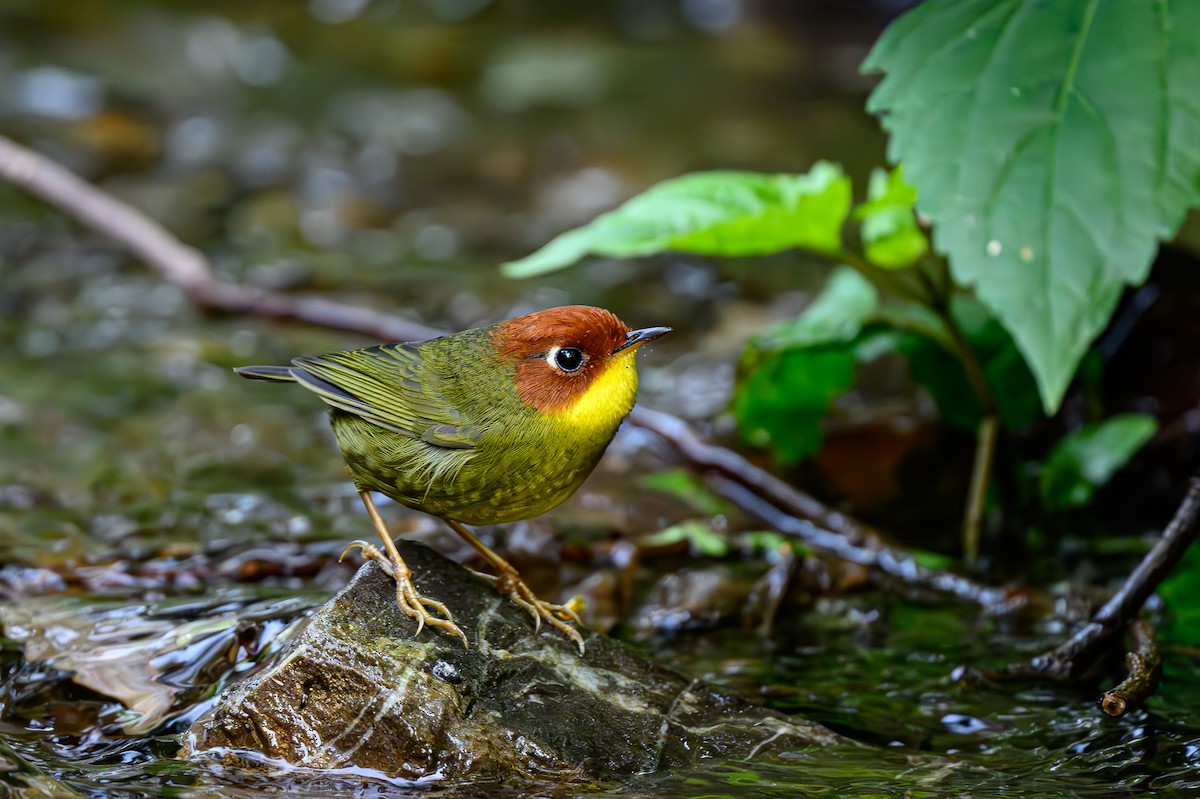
[
  {"x": 1158, "y": 562},
  {"x": 1074, "y": 658},
  {"x": 181, "y": 265},
  {"x": 1144, "y": 667},
  {"x": 883, "y": 560},
  {"x": 797, "y": 514},
  {"x": 705, "y": 457}
]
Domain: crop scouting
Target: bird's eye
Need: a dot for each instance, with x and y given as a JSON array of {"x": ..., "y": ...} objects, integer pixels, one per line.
[{"x": 569, "y": 359}]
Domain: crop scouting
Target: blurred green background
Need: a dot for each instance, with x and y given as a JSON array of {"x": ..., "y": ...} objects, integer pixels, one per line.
[{"x": 386, "y": 153}]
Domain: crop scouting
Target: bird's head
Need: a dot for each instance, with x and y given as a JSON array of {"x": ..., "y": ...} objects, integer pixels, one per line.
[{"x": 574, "y": 362}]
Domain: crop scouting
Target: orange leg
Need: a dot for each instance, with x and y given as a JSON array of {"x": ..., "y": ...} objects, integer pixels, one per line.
[
  {"x": 508, "y": 582},
  {"x": 412, "y": 603}
]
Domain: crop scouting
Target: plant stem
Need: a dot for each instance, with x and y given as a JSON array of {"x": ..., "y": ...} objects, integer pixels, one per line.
[
  {"x": 885, "y": 278},
  {"x": 981, "y": 473},
  {"x": 976, "y": 377},
  {"x": 985, "y": 441},
  {"x": 927, "y": 292}
]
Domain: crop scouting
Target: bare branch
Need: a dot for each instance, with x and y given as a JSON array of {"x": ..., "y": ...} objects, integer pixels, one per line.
[
  {"x": 185, "y": 266},
  {"x": 888, "y": 562},
  {"x": 1144, "y": 666},
  {"x": 702, "y": 456},
  {"x": 1077, "y": 657},
  {"x": 1124, "y": 605}
]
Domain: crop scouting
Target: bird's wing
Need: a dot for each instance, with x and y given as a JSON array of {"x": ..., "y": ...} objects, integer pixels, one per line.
[{"x": 391, "y": 388}]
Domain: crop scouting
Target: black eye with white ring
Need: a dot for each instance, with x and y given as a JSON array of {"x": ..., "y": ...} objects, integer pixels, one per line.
[{"x": 569, "y": 359}]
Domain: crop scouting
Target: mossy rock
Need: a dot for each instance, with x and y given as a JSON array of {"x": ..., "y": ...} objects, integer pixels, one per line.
[{"x": 355, "y": 690}]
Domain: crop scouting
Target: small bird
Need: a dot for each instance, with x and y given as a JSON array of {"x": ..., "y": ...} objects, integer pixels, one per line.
[{"x": 485, "y": 426}]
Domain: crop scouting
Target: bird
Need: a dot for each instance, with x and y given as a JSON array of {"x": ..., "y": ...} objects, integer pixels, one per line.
[{"x": 484, "y": 426}]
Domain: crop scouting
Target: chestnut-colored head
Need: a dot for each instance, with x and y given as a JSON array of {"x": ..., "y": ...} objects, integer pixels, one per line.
[{"x": 567, "y": 359}]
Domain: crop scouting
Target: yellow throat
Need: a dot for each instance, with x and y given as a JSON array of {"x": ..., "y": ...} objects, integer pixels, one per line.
[{"x": 607, "y": 400}]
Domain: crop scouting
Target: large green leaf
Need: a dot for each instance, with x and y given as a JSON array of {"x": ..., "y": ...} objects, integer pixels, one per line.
[
  {"x": 1086, "y": 459},
  {"x": 1052, "y": 142},
  {"x": 710, "y": 213}
]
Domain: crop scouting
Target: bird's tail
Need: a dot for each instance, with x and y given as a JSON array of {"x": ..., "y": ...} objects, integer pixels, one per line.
[{"x": 276, "y": 374}]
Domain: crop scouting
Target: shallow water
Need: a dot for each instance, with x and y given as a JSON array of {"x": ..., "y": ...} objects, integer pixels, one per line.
[
  {"x": 165, "y": 522},
  {"x": 874, "y": 669}
]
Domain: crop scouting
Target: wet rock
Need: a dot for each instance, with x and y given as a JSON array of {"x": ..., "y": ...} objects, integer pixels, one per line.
[
  {"x": 152, "y": 657},
  {"x": 354, "y": 689}
]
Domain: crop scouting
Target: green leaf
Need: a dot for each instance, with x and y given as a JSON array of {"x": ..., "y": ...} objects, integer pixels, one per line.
[
  {"x": 686, "y": 487},
  {"x": 934, "y": 560},
  {"x": 836, "y": 315},
  {"x": 710, "y": 213},
  {"x": 1053, "y": 143},
  {"x": 915, "y": 317},
  {"x": 1182, "y": 625},
  {"x": 1085, "y": 460},
  {"x": 699, "y": 535},
  {"x": 890, "y": 233},
  {"x": 781, "y": 404},
  {"x": 767, "y": 540},
  {"x": 799, "y": 367},
  {"x": 941, "y": 373}
]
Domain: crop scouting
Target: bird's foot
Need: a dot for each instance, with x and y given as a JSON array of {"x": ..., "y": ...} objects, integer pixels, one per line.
[
  {"x": 509, "y": 583},
  {"x": 413, "y": 604}
]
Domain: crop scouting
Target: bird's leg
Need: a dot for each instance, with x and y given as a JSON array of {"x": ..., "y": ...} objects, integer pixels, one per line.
[
  {"x": 412, "y": 603},
  {"x": 508, "y": 582}
]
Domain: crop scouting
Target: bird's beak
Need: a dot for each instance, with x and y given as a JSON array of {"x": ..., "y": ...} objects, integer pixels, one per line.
[{"x": 636, "y": 338}]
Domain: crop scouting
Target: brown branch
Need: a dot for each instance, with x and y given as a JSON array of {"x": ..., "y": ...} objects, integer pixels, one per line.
[
  {"x": 1144, "y": 666},
  {"x": 799, "y": 515},
  {"x": 705, "y": 457},
  {"x": 886, "y": 561},
  {"x": 1075, "y": 658},
  {"x": 185, "y": 266},
  {"x": 1157, "y": 564}
]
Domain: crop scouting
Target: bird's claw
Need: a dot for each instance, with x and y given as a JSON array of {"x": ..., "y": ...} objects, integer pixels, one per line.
[
  {"x": 370, "y": 552},
  {"x": 511, "y": 585},
  {"x": 411, "y": 603}
]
